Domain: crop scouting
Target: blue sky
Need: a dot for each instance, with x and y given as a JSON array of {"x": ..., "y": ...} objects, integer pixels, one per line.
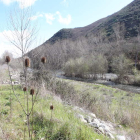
[{"x": 53, "y": 15}]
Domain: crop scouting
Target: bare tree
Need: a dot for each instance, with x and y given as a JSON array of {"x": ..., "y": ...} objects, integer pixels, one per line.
[
  {"x": 119, "y": 31},
  {"x": 22, "y": 36},
  {"x": 22, "y": 31}
]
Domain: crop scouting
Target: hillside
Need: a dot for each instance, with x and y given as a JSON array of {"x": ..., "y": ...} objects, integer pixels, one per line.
[
  {"x": 128, "y": 16},
  {"x": 122, "y": 26}
]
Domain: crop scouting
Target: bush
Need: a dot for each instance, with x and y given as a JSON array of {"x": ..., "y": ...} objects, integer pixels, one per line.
[
  {"x": 82, "y": 67},
  {"x": 122, "y": 66}
]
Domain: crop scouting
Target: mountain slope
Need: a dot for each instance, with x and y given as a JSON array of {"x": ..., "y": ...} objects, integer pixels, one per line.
[
  {"x": 76, "y": 42},
  {"x": 128, "y": 16}
]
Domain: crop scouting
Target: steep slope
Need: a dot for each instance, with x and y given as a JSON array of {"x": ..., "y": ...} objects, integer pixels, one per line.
[{"x": 129, "y": 17}]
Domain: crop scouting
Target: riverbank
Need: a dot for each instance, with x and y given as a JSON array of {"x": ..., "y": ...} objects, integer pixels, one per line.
[
  {"x": 108, "y": 82},
  {"x": 109, "y": 104}
]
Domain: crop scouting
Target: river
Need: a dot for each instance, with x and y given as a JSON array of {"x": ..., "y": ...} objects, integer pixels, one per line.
[{"x": 130, "y": 88}]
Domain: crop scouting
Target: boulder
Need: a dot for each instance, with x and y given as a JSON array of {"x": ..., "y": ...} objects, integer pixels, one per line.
[
  {"x": 93, "y": 124},
  {"x": 81, "y": 117},
  {"x": 110, "y": 135},
  {"x": 92, "y": 115},
  {"x": 105, "y": 127},
  {"x": 83, "y": 120},
  {"x": 101, "y": 130},
  {"x": 88, "y": 119},
  {"x": 119, "y": 137},
  {"x": 96, "y": 121}
]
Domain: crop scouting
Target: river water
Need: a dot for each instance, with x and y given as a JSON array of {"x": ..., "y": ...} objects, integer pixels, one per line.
[{"x": 134, "y": 89}]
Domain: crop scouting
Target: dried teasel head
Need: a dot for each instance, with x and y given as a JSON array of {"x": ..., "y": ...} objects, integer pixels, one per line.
[
  {"x": 7, "y": 59},
  {"x": 32, "y": 92},
  {"x": 27, "y": 62},
  {"x": 24, "y": 89},
  {"x": 43, "y": 60},
  {"x": 51, "y": 107}
]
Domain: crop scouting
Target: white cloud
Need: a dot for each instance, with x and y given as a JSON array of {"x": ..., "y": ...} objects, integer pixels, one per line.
[
  {"x": 65, "y": 2},
  {"x": 49, "y": 18},
  {"x": 62, "y": 20},
  {"x": 7, "y": 2},
  {"x": 22, "y": 3},
  {"x": 36, "y": 17},
  {"x": 6, "y": 46},
  {"x": 9, "y": 35}
]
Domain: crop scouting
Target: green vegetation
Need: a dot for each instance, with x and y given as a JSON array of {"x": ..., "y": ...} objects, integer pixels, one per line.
[
  {"x": 80, "y": 67},
  {"x": 107, "y": 103},
  {"x": 63, "y": 125},
  {"x": 122, "y": 66}
]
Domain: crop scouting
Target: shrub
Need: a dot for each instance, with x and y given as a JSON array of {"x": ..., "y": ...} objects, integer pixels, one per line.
[
  {"x": 80, "y": 67},
  {"x": 122, "y": 66}
]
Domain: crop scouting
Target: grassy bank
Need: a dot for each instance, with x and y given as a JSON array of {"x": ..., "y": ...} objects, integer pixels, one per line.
[
  {"x": 63, "y": 124},
  {"x": 115, "y": 105}
]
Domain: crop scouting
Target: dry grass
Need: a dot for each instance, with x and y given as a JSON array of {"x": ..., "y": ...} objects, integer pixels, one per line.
[{"x": 107, "y": 103}]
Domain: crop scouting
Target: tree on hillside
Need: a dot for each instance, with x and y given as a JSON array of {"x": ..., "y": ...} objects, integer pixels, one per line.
[
  {"x": 119, "y": 31},
  {"x": 136, "y": 49}
]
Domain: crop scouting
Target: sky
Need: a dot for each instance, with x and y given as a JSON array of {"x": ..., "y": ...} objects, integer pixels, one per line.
[{"x": 53, "y": 15}]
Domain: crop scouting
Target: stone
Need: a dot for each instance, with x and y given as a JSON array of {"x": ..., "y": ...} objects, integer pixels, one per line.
[
  {"x": 119, "y": 137},
  {"x": 93, "y": 124},
  {"x": 81, "y": 117},
  {"x": 101, "y": 130},
  {"x": 102, "y": 125},
  {"x": 88, "y": 119},
  {"x": 96, "y": 121},
  {"x": 106, "y": 128},
  {"x": 110, "y": 135},
  {"x": 92, "y": 115},
  {"x": 83, "y": 120}
]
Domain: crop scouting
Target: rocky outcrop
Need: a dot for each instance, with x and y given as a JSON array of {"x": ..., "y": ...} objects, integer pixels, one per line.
[{"x": 101, "y": 127}]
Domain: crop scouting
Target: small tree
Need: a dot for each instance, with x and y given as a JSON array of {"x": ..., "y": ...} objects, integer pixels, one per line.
[
  {"x": 121, "y": 65},
  {"x": 22, "y": 36},
  {"x": 98, "y": 64},
  {"x": 94, "y": 64},
  {"x": 22, "y": 31}
]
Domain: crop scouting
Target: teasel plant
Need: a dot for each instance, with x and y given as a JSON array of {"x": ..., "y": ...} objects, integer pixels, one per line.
[
  {"x": 10, "y": 104},
  {"x": 24, "y": 90},
  {"x": 7, "y": 60},
  {"x": 26, "y": 110},
  {"x": 33, "y": 94},
  {"x": 43, "y": 61},
  {"x": 51, "y": 108},
  {"x": 26, "y": 66}
]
